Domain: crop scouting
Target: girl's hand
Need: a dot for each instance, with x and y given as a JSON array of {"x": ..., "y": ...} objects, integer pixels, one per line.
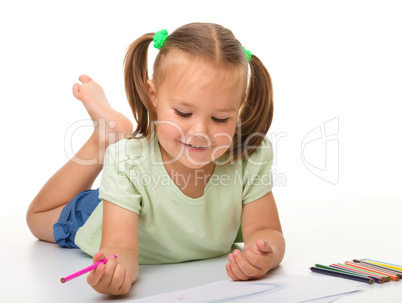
[
  {"x": 111, "y": 278},
  {"x": 254, "y": 264}
]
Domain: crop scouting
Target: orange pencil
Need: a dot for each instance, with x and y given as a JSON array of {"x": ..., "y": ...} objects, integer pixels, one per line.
[{"x": 357, "y": 265}]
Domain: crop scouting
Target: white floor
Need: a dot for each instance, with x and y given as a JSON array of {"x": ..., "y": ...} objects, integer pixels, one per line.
[{"x": 325, "y": 232}]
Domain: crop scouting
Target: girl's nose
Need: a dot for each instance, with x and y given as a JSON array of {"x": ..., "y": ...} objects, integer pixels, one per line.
[
  {"x": 199, "y": 126},
  {"x": 199, "y": 132}
]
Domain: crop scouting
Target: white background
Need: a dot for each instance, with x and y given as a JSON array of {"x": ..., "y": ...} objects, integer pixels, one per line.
[{"x": 329, "y": 60}]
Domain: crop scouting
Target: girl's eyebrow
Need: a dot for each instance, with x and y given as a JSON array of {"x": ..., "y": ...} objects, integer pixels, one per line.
[{"x": 187, "y": 104}]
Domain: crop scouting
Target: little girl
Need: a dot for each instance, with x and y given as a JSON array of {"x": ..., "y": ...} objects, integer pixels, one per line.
[{"x": 190, "y": 180}]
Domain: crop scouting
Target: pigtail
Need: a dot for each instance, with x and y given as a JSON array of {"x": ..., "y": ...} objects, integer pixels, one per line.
[
  {"x": 257, "y": 112},
  {"x": 135, "y": 80}
]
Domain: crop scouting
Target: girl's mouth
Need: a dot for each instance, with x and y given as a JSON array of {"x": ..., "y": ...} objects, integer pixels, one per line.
[{"x": 195, "y": 147}]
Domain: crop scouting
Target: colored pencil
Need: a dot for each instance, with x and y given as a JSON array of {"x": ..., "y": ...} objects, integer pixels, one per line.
[
  {"x": 390, "y": 265},
  {"x": 384, "y": 278},
  {"x": 376, "y": 278},
  {"x": 84, "y": 270},
  {"x": 340, "y": 270},
  {"x": 342, "y": 275},
  {"x": 368, "y": 272},
  {"x": 397, "y": 272},
  {"x": 393, "y": 277}
]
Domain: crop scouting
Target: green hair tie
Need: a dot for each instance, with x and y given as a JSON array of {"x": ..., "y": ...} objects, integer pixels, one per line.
[
  {"x": 248, "y": 54},
  {"x": 159, "y": 38}
]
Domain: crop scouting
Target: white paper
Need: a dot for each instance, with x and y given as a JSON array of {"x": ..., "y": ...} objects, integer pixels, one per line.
[{"x": 312, "y": 288}]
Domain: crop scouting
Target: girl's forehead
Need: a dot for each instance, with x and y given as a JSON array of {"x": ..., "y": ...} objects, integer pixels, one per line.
[
  {"x": 199, "y": 86},
  {"x": 184, "y": 71}
]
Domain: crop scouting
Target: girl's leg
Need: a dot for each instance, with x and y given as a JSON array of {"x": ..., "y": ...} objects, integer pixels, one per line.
[{"x": 79, "y": 173}]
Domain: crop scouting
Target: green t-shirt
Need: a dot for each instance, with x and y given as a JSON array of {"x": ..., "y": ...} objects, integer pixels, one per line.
[{"x": 173, "y": 227}]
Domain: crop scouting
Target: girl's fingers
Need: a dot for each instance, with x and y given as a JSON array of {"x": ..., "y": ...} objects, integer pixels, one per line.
[
  {"x": 99, "y": 256},
  {"x": 118, "y": 278},
  {"x": 236, "y": 269},
  {"x": 246, "y": 268},
  {"x": 110, "y": 268},
  {"x": 261, "y": 261},
  {"x": 263, "y": 246},
  {"x": 251, "y": 257},
  {"x": 95, "y": 276},
  {"x": 230, "y": 273},
  {"x": 253, "y": 264},
  {"x": 125, "y": 287},
  {"x": 110, "y": 278},
  {"x": 102, "y": 275}
]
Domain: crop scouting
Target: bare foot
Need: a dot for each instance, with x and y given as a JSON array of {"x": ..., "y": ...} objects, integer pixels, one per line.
[{"x": 110, "y": 125}]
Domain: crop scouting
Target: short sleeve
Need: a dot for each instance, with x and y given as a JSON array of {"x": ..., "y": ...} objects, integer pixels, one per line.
[
  {"x": 115, "y": 185},
  {"x": 257, "y": 175}
]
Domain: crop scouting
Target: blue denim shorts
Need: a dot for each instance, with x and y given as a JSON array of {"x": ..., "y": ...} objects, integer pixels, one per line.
[{"x": 73, "y": 216}]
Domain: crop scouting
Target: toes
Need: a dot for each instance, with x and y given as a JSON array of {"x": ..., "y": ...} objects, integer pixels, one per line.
[
  {"x": 76, "y": 89},
  {"x": 85, "y": 78}
]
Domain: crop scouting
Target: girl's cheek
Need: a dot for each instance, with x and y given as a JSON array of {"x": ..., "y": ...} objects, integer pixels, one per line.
[
  {"x": 169, "y": 136},
  {"x": 223, "y": 139},
  {"x": 224, "y": 136}
]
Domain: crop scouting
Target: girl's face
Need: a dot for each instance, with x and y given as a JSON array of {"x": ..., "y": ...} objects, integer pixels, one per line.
[{"x": 196, "y": 116}]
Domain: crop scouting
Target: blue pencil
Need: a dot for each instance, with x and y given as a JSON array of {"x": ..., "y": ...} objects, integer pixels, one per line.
[{"x": 342, "y": 275}]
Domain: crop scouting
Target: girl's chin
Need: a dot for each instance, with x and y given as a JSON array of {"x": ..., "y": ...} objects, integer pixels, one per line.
[{"x": 193, "y": 163}]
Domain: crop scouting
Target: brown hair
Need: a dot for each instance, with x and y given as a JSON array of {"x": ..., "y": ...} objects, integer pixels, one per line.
[{"x": 214, "y": 44}]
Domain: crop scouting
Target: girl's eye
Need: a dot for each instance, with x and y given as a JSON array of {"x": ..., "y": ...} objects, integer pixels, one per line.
[
  {"x": 184, "y": 115},
  {"x": 220, "y": 120}
]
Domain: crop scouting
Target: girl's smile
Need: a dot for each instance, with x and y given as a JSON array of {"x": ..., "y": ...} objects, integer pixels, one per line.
[{"x": 195, "y": 148}]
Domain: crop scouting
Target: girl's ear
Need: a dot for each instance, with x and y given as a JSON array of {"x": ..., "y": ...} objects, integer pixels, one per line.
[{"x": 152, "y": 92}]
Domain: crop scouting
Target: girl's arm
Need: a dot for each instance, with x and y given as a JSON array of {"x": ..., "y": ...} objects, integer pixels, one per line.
[
  {"x": 264, "y": 245},
  {"x": 119, "y": 237}
]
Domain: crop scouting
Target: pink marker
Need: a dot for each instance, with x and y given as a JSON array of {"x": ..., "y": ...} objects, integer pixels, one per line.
[{"x": 84, "y": 271}]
